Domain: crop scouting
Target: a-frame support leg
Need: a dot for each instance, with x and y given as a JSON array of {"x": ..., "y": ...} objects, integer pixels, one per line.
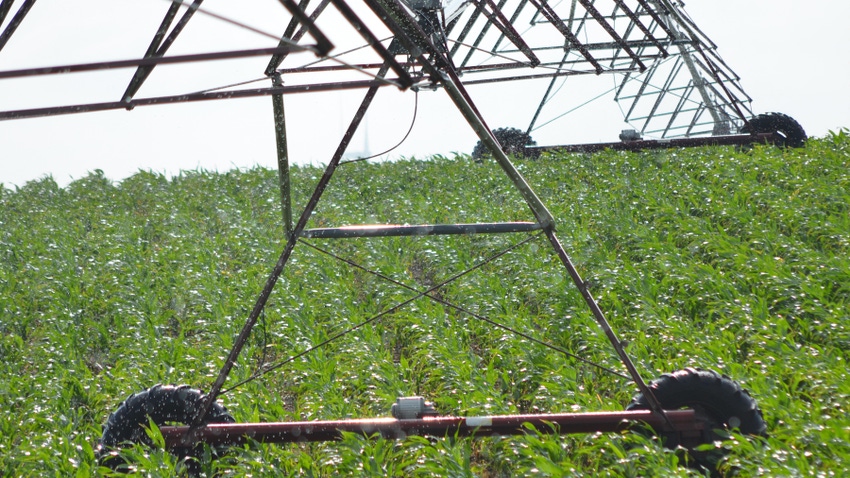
[
  {"x": 291, "y": 241},
  {"x": 470, "y": 113}
]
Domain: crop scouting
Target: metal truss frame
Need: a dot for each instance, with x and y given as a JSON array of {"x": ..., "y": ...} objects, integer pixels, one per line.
[{"x": 449, "y": 45}]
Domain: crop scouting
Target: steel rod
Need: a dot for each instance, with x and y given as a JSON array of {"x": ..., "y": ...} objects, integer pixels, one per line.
[
  {"x": 506, "y": 27},
  {"x": 190, "y": 97},
  {"x": 281, "y": 141},
  {"x": 658, "y": 20},
  {"x": 514, "y": 16},
  {"x": 149, "y": 61},
  {"x": 546, "y": 10},
  {"x": 404, "y": 77},
  {"x": 473, "y": 117},
  {"x": 545, "y": 98},
  {"x": 480, "y": 8},
  {"x": 382, "y": 230},
  {"x": 234, "y": 54},
  {"x": 289, "y": 37},
  {"x": 16, "y": 20},
  {"x": 643, "y": 28},
  {"x": 323, "y": 44},
  {"x": 608, "y": 28},
  {"x": 158, "y": 48},
  {"x": 619, "y": 347},
  {"x": 173, "y": 8},
  {"x": 466, "y": 29},
  {"x": 5, "y": 7},
  {"x": 733, "y": 100}
]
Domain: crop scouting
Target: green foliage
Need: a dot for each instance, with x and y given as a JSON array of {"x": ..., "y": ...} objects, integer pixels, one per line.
[{"x": 736, "y": 261}]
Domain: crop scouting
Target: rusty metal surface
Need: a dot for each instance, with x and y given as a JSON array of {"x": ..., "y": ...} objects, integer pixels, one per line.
[
  {"x": 682, "y": 421},
  {"x": 640, "y": 145}
]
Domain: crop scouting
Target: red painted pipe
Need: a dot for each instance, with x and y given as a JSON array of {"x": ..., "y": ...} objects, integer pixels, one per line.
[{"x": 684, "y": 421}]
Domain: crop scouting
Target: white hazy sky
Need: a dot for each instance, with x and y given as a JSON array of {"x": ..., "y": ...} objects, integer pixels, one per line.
[{"x": 791, "y": 56}]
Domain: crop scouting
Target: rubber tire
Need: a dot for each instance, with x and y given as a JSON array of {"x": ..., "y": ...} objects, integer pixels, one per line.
[
  {"x": 163, "y": 404},
  {"x": 795, "y": 136},
  {"x": 513, "y": 142},
  {"x": 718, "y": 400}
]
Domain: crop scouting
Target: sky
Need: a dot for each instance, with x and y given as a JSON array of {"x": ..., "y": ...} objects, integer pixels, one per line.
[{"x": 789, "y": 54}]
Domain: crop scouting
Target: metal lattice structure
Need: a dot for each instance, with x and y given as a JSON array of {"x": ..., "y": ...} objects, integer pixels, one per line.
[{"x": 670, "y": 82}]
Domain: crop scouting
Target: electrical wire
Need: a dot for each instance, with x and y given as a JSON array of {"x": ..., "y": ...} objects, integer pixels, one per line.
[{"x": 412, "y": 123}]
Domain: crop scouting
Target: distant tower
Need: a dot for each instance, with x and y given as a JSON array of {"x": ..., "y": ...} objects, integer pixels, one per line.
[{"x": 366, "y": 151}]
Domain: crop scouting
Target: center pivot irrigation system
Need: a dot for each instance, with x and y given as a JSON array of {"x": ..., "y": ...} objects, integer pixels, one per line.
[{"x": 670, "y": 83}]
